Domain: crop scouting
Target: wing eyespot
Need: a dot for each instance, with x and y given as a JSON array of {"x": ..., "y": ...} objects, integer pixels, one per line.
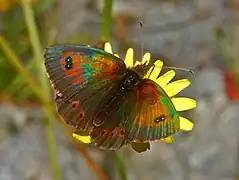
[
  {"x": 68, "y": 61},
  {"x": 68, "y": 66},
  {"x": 122, "y": 132},
  {"x": 111, "y": 134},
  {"x": 81, "y": 115},
  {"x": 160, "y": 119},
  {"x": 103, "y": 132},
  {"x": 75, "y": 105}
]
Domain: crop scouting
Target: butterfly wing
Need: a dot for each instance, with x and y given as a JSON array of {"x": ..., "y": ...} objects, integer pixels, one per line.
[
  {"x": 144, "y": 114},
  {"x": 112, "y": 133},
  {"x": 89, "y": 96},
  {"x": 81, "y": 76},
  {"x": 156, "y": 115}
]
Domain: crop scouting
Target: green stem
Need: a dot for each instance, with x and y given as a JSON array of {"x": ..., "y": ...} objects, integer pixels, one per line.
[
  {"x": 36, "y": 46},
  {"x": 106, "y": 34},
  {"x": 107, "y": 20},
  {"x": 120, "y": 165},
  {"x": 18, "y": 81},
  {"x": 48, "y": 107},
  {"x": 52, "y": 149},
  {"x": 17, "y": 63}
]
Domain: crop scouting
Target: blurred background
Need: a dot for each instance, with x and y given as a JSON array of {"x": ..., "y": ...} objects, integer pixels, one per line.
[{"x": 202, "y": 35}]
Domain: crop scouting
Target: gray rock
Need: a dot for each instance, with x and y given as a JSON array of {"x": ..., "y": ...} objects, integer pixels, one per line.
[
  {"x": 212, "y": 5},
  {"x": 26, "y": 156}
]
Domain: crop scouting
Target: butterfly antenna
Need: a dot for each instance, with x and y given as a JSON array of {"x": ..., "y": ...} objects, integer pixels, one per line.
[
  {"x": 142, "y": 52},
  {"x": 141, "y": 38},
  {"x": 177, "y": 68},
  {"x": 152, "y": 70}
]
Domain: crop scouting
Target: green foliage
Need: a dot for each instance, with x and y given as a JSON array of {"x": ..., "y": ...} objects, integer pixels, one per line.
[
  {"x": 14, "y": 29},
  {"x": 228, "y": 43},
  {"x": 21, "y": 75}
]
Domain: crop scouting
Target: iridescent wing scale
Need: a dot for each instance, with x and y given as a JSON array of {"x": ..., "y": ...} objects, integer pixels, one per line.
[
  {"x": 81, "y": 77},
  {"x": 156, "y": 115},
  {"x": 146, "y": 114}
]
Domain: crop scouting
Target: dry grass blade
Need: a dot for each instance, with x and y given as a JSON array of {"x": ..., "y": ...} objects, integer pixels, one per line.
[{"x": 49, "y": 109}]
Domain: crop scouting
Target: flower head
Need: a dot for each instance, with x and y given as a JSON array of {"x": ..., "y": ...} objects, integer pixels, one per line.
[{"x": 164, "y": 81}]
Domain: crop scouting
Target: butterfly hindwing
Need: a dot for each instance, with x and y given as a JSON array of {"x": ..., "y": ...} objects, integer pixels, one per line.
[
  {"x": 120, "y": 109},
  {"x": 156, "y": 116},
  {"x": 145, "y": 113},
  {"x": 81, "y": 77}
]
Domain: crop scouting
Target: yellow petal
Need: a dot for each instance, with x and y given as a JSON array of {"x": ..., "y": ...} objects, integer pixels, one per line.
[
  {"x": 166, "y": 78},
  {"x": 108, "y": 48},
  {"x": 168, "y": 139},
  {"x": 137, "y": 63},
  {"x": 84, "y": 139},
  {"x": 183, "y": 103},
  {"x": 146, "y": 58},
  {"x": 185, "y": 124},
  {"x": 149, "y": 72},
  {"x": 129, "y": 57},
  {"x": 175, "y": 87},
  {"x": 116, "y": 55},
  {"x": 156, "y": 70}
]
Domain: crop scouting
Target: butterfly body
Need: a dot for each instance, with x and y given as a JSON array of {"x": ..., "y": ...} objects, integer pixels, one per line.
[{"x": 95, "y": 91}]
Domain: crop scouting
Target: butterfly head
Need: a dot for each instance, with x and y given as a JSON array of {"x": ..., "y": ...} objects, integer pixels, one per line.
[
  {"x": 130, "y": 80},
  {"x": 141, "y": 69}
]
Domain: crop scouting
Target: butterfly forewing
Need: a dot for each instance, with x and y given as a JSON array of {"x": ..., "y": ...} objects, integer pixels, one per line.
[{"x": 81, "y": 77}]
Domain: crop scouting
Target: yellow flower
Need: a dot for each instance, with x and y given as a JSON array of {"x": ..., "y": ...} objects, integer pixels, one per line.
[{"x": 171, "y": 88}]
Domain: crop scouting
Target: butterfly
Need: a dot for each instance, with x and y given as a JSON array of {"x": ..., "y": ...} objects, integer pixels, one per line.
[{"x": 97, "y": 93}]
